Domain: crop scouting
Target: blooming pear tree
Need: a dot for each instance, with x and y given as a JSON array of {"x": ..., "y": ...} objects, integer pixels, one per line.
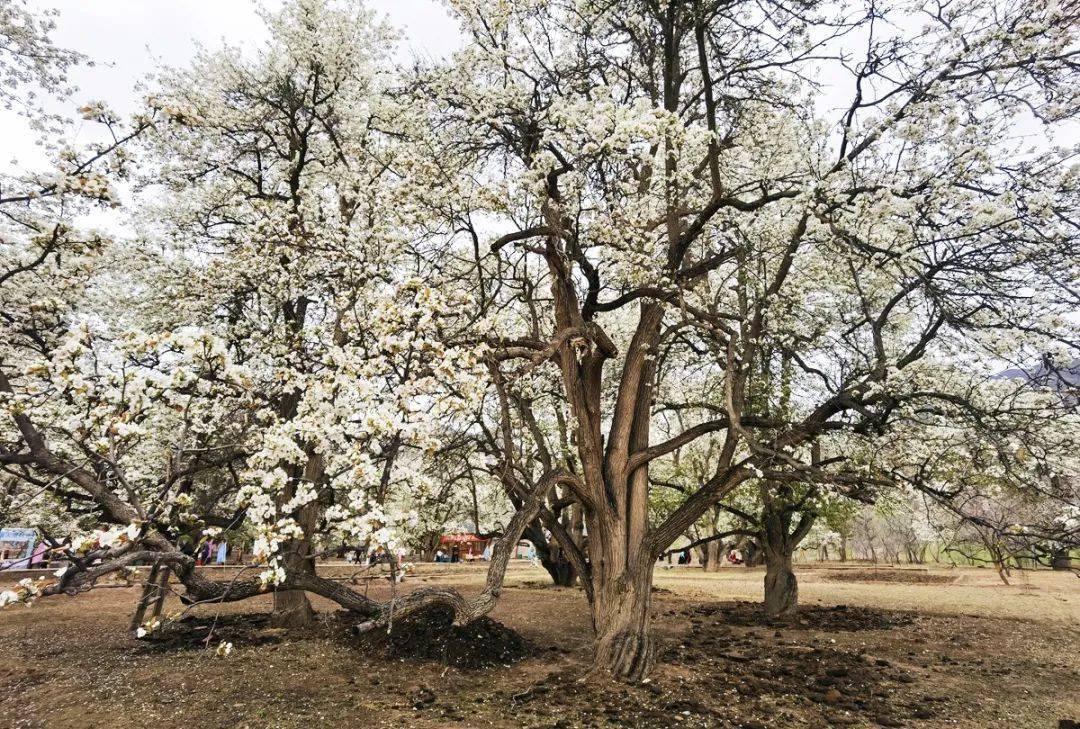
[
  {"x": 672, "y": 182},
  {"x": 48, "y": 259},
  {"x": 608, "y": 248},
  {"x": 283, "y": 173},
  {"x": 280, "y": 360},
  {"x": 999, "y": 481}
]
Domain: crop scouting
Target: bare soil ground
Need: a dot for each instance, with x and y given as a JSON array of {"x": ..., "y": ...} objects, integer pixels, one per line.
[{"x": 872, "y": 647}]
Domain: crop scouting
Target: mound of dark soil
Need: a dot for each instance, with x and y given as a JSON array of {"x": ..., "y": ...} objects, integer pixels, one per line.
[
  {"x": 736, "y": 669},
  {"x": 201, "y": 632},
  {"x": 836, "y": 618},
  {"x": 564, "y": 699},
  {"x": 540, "y": 585},
  {"x": 846, "y": 686},
  {"x": 908, "y": 577},
  {"x": 431, "y": 635}
]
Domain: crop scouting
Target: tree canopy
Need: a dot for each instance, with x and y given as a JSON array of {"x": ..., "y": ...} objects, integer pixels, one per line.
[{"x": 754, "y": 256}]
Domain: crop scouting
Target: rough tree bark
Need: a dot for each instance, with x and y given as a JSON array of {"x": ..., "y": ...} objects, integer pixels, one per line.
[
  {"x": 621, "y": 552},
  {"x": 779, "y": 541},
  {"x": 714, "y": 556},
  {"x": 620, "y": 611},
  {"x": 292, "y": 609},
  {"x": 751, "y": 552},
  {"x": 781, "y": 585},
  {"x": 429, "y": 546},
  {"x": 552, "y": 557}
]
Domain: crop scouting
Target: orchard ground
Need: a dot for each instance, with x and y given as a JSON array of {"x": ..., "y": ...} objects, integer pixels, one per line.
[{"x": 873, "y": 646}]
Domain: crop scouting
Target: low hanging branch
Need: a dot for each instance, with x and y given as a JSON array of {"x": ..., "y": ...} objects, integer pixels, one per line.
[
  {"x": 155, "y": 547},
  {"x": 713, "y": 538},
  {"x": 466, "y": 611}
]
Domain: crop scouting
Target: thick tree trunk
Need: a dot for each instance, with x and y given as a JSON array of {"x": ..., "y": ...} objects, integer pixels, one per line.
[
  {"x": 429, "y": 546},
  {"x": 562, "y": 573},
  {"x": 779, "y": 539},
  {"x": 781, "y": 586},
  {"x": 714, "y": 558},
  {"x": 614, "y": 493},
  {"x": 552, "y": 557},
  {"x": 752, "y": 553},
  {"x": 292, "y": 609},
  {"x": 620, "y": 610},
  {"x": 1061, "y": 560}
]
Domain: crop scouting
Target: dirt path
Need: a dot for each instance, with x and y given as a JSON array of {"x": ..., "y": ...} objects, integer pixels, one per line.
[{"x": 975, "y": 654}]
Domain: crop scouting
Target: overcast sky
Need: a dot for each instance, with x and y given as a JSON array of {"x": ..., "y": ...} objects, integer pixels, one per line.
[
  {"x": 128, "y": 38},
  {"x": 131, "y": 36}
]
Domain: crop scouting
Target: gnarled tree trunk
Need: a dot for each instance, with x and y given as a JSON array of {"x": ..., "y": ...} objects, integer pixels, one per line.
[
  {"x": 714, "y": 555},
  {"x": 562, "y": 572},
  {"x": 429, "y": 545},
  {"x": 613, "y": 481},
  {"x": 292, "y": 609},
  {"x": 624, "y": 647},
  {"x": 751, "y": 553},
  {"x": 781, "y": 586},
  {"x": 778, "y": 542},
  {"x": 551, "y": 556}
]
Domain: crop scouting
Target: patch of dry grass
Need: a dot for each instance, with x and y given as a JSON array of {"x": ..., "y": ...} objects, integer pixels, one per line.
[{"x": 972, "y": 653}]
